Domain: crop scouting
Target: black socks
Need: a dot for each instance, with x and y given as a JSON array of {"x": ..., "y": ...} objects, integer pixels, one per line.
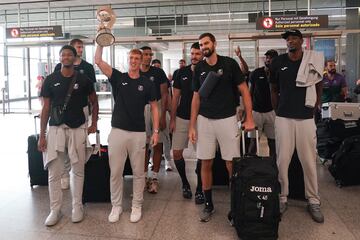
[
  {"x": 198, "y": 174},
  {"x": 208, "y": 199},
  {"x": 180, "y": 166}
]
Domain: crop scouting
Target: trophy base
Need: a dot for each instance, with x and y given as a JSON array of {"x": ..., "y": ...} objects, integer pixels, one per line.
[{"x": 105, "y": 38}]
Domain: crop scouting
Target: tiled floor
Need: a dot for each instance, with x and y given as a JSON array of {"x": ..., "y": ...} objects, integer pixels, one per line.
[{"x": 166, "y": 215}]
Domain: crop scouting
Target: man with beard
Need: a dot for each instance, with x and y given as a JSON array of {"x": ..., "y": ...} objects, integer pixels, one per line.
[
  {"x": 264, "y": 115},
  {"x": 213, "y": 117},
  {"x": 67, "y": 138},
  {"x": 334, "y": 85},
  {"x": 179, "y": 122},
  {"x": 294, "y": 122},
  {"x": 182, "y": 64},
  {"x": 158, "y": 77},
  {"x": 82, "y": 67},
  {"x": 131, "y": 91}
]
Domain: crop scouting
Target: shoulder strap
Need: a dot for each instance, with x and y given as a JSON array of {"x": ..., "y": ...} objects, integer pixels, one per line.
[{"x": 69, "y": 92}]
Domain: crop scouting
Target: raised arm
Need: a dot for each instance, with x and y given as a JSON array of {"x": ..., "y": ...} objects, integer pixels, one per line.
[
  {"x": 243, "y": 65},
  {"x": 105, "y": 68}
]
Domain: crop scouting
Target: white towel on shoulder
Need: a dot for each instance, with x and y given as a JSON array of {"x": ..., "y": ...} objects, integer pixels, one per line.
[{"x": 310, "y": 72}]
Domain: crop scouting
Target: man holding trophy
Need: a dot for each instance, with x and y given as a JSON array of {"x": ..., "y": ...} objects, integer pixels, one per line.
[{"x": 131, "y": 92}]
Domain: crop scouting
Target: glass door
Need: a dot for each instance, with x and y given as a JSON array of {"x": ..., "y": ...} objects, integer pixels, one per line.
[{"x": 16, "y": 83}]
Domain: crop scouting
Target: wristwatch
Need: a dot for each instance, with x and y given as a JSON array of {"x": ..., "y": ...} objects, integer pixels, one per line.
[{"x": 156, "y": 131}]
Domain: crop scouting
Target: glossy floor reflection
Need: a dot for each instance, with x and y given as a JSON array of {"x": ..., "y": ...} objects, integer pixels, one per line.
[{"x": 166, "y": 215}]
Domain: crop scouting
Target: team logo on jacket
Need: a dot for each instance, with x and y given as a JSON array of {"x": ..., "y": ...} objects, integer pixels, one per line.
[
  {"x": 220, "y": 71},
  {"x": 151, "y": 78},
  {"x": 81, "y": 71},
  {"x": 140, "y": 88},
  {"x": 76, "y": 86},
  {"x": 56, "y": 84},
  {"x": 260, "y": 189},
  {"x": 184, "y": 78}
]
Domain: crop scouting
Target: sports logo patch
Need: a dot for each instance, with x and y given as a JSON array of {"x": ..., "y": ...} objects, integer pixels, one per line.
[
  {"x": 220, "y": 71},
  {"x": 184, "y": 78},
  {"x": 152, "y": 78},
  {"x": 76, "y": 86},
  {"x": 140, "y": 88},
  {"x": 81, "y": 71}
]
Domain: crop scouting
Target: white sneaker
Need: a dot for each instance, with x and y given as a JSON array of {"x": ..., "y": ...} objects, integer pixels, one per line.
[
  {"x": 65, "y": 183},
  {"x": 53, "y": 218},
  {"x": 168, "y": 166},
  {"x": 115, "y": 214},
  {"x": 135, "y": 214},
  {"x": 77, "y": 214}
]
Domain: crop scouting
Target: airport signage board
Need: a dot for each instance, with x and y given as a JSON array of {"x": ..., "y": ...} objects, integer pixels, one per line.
[
  {"x": 287, "y": 22},
  {"x": 31, "y": 32}
]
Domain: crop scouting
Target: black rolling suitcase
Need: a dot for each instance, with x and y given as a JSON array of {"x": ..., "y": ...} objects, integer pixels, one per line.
[
  {"x": 255, "y": 190},
  {"x": 296, "y": 179},
  {"x": 97, "y": 175},
  {"x": 38, "y": 175}
]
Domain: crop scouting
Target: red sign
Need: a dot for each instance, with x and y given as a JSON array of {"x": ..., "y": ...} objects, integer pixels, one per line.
[
  {"x": 29, "y": 32},
  {"x": 268, "y": 23},
  {"x": 287, "y": 22}
]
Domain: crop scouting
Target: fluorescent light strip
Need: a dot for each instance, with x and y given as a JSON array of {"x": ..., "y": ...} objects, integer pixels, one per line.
[
  {"x": 337, "y": 16},
  {"x": 218, "y": 20}
]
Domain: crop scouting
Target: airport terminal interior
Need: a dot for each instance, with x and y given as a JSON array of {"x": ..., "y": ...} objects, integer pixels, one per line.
[{"x": 169, "y": 27}]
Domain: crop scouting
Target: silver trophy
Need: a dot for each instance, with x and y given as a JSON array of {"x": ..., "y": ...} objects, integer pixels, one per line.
[{"x": 106, "y": 16}]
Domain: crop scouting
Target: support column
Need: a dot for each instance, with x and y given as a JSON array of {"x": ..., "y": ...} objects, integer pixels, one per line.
[{"x": 352, "y": 69}]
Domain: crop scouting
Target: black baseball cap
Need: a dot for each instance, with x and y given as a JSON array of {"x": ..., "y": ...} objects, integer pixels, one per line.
[
  {"x": 272, "y": 53},
  {"x": 291, "y": 32},
  {"x": 156, "y": 61}
]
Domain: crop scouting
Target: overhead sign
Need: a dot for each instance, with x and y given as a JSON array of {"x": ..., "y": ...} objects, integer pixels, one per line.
[
  {"x": 286, "y": 22},
  {"x": 30, "y": 32}
]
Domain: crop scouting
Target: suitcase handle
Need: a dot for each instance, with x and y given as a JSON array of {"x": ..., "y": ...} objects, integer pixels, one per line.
[
  {"x": 97, "y": 148},
  {"x": 242, "y": 132},
  {"x": 348, "y": 114},
  {"x": 35, "y": 117}
]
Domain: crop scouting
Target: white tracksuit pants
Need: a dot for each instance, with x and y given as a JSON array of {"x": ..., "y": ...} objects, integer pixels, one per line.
[
  {"x": 299, "y": 133},
  {"x": 56, "y": 169},
  {"x": 121, "y": 144}
]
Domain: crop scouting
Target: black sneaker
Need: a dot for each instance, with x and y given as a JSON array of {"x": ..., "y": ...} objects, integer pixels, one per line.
[
  {"x": 187, "y": 192},
  {"x": 205, "y": 214},
  {"x": 199, "y": 198}
]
